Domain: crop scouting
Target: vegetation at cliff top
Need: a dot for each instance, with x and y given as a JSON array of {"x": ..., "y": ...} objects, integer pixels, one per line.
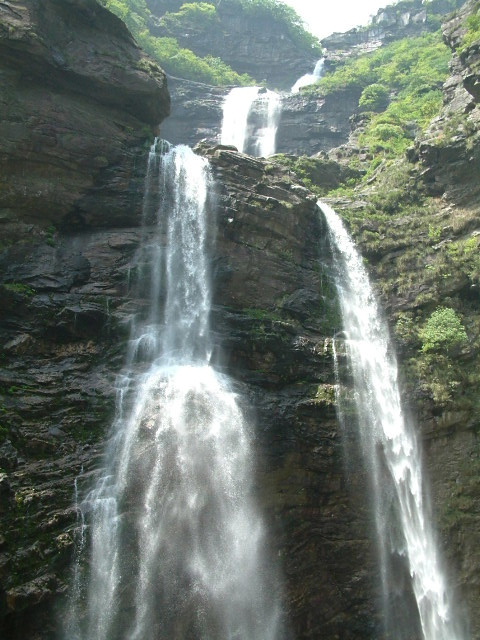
[
  {"x": 175, "y": 60},
  {"x": 473, "y": 29},
  {"x": 179, "y": 15},
  {"x": 201, "y": 17},
  {"x": 399, "y": 88}
]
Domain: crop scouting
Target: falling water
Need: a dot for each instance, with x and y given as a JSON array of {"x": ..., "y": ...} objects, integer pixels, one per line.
[
  {"x": 176, "y": 549},
  {"x": 236, "y": 109},
  {"x": 269, "y": 105},
  {"x": 309, "y": 78},
  {"x": 389, "y": 444},
  {"x": 250, "y": 120}
]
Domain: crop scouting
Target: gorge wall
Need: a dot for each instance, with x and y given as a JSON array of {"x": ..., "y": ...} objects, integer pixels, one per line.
[
  {"x": 78, "y": 114},
  {"x": 248, "y": 41}
]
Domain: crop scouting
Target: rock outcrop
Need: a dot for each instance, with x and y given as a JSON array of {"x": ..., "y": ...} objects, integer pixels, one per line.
[
  {"x": 78, "y": 100},
  {"x": 449, "y": 152},
  {"x": 196, "y": 113},
  {"x": 406, "y": 19},
  {"x": 249, "y": 42}
]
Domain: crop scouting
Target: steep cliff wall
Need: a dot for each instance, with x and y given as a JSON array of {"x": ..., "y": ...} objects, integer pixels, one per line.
[
  {"x": 75, "y": 159},
  {"x": 249, "y": 40},
  {"x": 418, "y": 225},
  {"x": 79, "y": 100},
  {"x": 273, "y": 314}
]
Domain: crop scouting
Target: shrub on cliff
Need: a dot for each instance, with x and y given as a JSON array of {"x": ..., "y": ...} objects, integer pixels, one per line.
[
  {"x": 443, "y": 331},
  {"x": 374, "y": 98}
]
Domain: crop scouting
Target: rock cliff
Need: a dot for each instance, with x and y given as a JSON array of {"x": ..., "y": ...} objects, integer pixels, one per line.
[
  {"x": 247, "y": 41},
  {"x": 405, "y": 19},
  {"x": 79, "y": 101},
  {"x": 76, "y": 118},
  {"x": 417, "y": 223}
]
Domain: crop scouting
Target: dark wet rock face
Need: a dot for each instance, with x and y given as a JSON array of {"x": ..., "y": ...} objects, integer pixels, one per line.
[
  {"x": 78, "y": 104},
  {"x": 75, "y": 112},
  {"x": 66, "y": 303},
  {"x": 196, "y": 112}
]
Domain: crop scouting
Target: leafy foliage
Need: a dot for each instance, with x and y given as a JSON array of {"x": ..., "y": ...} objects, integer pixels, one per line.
[
  {"x": 410, "y": 72},
  {"x": 473, "y": 29},
  {"x": 193, "y": 14},
  {"x": 374, "y": 98},
  {"x": 176, "y": 60},
  {"x": 443, "y": 331}
]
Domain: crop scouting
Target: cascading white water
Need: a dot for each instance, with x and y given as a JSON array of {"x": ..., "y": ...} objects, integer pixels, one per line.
[
  {"x": 391, "y": 450},
  {"x": 176, "y": 538},
  {"x": 236, "y": 109},
  {"x": 250, "y": 120},
  {"x": 309, "y": 78},
  {"x": 269, "y": 105}
]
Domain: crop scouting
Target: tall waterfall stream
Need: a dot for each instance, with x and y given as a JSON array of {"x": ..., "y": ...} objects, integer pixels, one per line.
[
  {"x": 391, "y": 452},
  {"x": 177, "y": 541}
]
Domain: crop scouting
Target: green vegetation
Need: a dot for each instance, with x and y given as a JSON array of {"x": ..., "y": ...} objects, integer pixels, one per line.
[
  {"x": 443, "y": 331},
  {"x": 197, "y": 15},
  {"x": 202, "y": 17},
  {"x": 175, "y": 60},
  {"x": 375, "y": 97},
  {"x": 277, "y": 11},
  {"x": 318, "y": 174},
  {"x": 18, "y": 287},
  {"x": 403, "y": 82},
  {"x": 473, "y": 29}
]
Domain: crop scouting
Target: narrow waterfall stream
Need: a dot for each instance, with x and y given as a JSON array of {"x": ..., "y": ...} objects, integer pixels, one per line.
[
  {"x": 250, "y": 120},
  {"x": 236, "y": 109},
  {"x": 392, "y": 455},
  {"x": 309, "y": 78},
  {"x": 269, "y": 107},
  {"x": 177, "y": 541}
]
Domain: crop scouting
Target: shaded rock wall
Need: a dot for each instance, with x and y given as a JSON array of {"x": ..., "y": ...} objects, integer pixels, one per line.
[
  {"x": 63, "y": 336},
  {"x": 79, "y": 101},
  {"x": 196, "y": 112},
  {"x": 75, "y": 111}
]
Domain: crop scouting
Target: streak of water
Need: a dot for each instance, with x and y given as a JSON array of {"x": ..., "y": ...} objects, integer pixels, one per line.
[
  {"x": 391, "y": 450},
  {"x": 250, "y": 120},
  {"x": 236, "y": 109},
  {"x": 176, "y": 539},
  {"x": 309, "y": 78}
]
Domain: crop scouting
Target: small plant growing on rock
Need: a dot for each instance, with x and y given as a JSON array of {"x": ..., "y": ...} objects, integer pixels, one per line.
[{"x": 443, "y": 331}]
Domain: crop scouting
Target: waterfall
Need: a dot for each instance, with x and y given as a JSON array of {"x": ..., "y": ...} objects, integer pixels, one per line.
[
  {"x": 250, "y": 120},
  {"x": 176, "y": 540},
  {"x": 236, "y": 109},
  {"x": 309, "y": 78},
  {"x": 392, "y": 455},
  {"x": 269, "y": 106}
]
